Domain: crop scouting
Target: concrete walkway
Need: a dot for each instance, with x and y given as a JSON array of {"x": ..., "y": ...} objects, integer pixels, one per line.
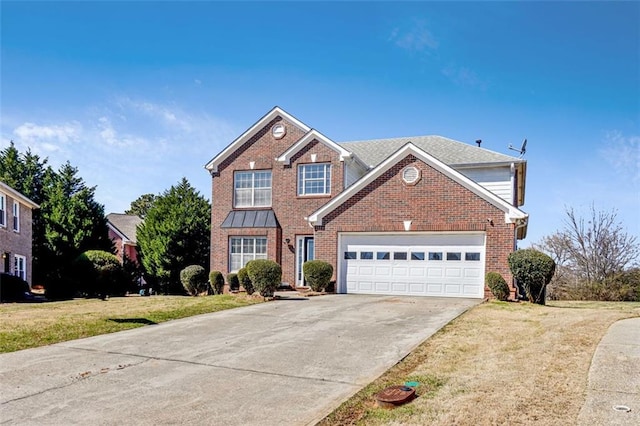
[
  {"x": 614, "y": 378},
  {"x": 287, "y": 362}
]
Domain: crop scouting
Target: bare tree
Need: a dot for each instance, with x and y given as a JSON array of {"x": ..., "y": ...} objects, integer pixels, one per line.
[
  {"x": 592, "y": 255},
  {"x": 600, "y": 247}
]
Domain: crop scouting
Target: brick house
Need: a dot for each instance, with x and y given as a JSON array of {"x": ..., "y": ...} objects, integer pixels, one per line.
[
  {"x": 122, "y": 231},
  {"x": 422, "y": 216},
  {"x": 16, "y": 233}
]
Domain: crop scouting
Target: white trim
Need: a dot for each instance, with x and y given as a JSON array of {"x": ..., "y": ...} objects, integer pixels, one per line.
[
  {"x": 213, "y": 164},
  {"x": 3, "y": 210},
  {"x": 301, "y": 179},
  {"x": 15, "y": 225},
  {"x": 17, "y": 196},
  {"x": 309, "y": 137},
  {"x": 16, "y": 261},
  {"x": 512, "y": 213}
]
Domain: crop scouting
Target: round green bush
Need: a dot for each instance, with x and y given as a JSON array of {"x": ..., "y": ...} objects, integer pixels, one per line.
[
  {"x": 216, "y": 281},
  {"x": 99, "y": 273},
  {"x": 266, "y": 276},
  {"x": 245, "y": 281},
  {"x": 233, "y": 281},
  {"x": 317, "y": 273},
  {"x": 13, "y": 288},
  {"x": 533, "y": 270},
  {"x": 498, "y": 286},
  {"x": 194, "y": 279}
]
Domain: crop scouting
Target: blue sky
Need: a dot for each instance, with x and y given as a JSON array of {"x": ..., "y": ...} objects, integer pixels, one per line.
[{"x": 139, "y": 94}]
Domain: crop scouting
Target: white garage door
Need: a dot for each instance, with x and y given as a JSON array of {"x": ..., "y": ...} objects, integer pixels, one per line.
[{"x": 434, "y": 264}]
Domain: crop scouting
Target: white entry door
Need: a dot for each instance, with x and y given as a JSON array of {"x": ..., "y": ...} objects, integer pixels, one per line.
[{"x": 421, "y": 264}]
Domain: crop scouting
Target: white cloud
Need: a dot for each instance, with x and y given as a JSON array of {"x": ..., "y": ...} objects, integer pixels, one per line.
[
  {"x": 417, "y": 38},
  {"x": 623, "y": 154},
  {"x": 61, "y": 133}
]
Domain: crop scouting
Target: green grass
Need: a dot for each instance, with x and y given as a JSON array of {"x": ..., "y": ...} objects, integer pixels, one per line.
[{"x": 29, "y": 325}]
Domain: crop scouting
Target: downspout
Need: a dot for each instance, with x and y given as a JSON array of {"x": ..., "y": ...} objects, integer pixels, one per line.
[
  {"x": 514, "y": 190},
  {"x": 519, "y": 224}
]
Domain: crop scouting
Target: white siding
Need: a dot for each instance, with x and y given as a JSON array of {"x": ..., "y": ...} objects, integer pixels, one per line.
[
  {"x": 495, "y": 179},
  {"x": 352, "y": 172}
]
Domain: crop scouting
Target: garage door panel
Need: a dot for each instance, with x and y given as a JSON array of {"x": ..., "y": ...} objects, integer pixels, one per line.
[
  {"x": 400, "y": 288},
  {"x": 472, "y": 273},
  {"x": 417, "y": 288},
  {"x": 382, "y": 287},
  {"x": 453, "y": 272},
  {"x": 414, "y": 264},
  {"x": 417, "y": 272}
]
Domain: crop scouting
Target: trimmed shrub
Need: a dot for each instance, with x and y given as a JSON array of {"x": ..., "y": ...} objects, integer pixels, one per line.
[
  {"x": 245, "y": 281},
  {"x": 533, "y": 270},
  {"x": 194, "y": 279},
  {"x": 13, "y": 288},
  {"x": 266, "y": 276},
  {"x": 317, "y": 273},
  {"x": 233, "y": 281},
  {"x": 498, "y": 286},
  {"x": 99, "y": 273},
  {"x": 216, "y": 281}
]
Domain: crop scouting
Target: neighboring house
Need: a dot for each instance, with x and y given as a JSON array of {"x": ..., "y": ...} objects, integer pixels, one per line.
[
  {"x": 408, "y": 216},
  {"x": 122, "y": 231},
  {"x": 16, "y": 234}
]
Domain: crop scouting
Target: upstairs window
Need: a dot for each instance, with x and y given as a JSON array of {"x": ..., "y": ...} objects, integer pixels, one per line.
[
  {"x": 252, "y": 189},
  {"x": 16, "y": 216},
  {"x": 314, "y": 179},
  {"x": 3, "y": 210}
]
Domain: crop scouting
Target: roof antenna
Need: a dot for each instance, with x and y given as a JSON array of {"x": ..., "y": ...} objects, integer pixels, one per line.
[
  {"x": 479, "y": 142},
  {"x": 522, "y": 150}
]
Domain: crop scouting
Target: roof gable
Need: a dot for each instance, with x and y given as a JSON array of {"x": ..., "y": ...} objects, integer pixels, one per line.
[
  {"x": 310, "y": 136},
  {"x": 18, "y": 196},
  {"x": 213, "y": 164},
  {"x": 512, "y": 214},
  {"x": 125, "y": 225}
]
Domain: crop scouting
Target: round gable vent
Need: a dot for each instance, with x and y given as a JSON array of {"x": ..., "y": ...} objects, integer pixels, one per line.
[{"x": 410, "y": 174}]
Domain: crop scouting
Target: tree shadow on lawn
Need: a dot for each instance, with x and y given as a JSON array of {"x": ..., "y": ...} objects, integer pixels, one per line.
[{"x": 133, "y": 321}]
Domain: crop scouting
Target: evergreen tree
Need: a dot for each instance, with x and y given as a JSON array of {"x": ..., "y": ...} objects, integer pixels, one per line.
[
  {"x": 175, "y": 234},
  {"x": 68, "y": 222},
  {"x": 141, "y": 205}
]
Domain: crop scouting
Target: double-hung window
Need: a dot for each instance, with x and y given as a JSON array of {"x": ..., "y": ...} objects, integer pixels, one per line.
[
  {"x": 252, "y": 189},
  {"x": 16, "y": 216},
  {"x": 3, "y": 210},
  {"x": 244, "y": 249},
  {"x": 314, "y": 179}
]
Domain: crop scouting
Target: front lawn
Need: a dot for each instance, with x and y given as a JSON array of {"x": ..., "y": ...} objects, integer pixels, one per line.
[
  {"x": 28, "y": 325},
  {"x": 499, "y": 363}
]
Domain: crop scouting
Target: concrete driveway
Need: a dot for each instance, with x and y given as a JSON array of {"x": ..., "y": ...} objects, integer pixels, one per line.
[{"x": 286, "y": 362}]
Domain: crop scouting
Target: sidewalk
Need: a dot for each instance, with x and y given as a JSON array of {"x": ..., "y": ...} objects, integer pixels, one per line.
[{"x": 614, "y": 378}]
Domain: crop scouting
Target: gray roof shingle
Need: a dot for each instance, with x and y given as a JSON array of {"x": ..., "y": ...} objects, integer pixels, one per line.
[
  {"x": 126, "y": 224},
  {"x": 449, "y": 151}
]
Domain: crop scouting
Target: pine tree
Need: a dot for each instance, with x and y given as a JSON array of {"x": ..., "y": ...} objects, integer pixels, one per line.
[{"x": 175, "y": 234}]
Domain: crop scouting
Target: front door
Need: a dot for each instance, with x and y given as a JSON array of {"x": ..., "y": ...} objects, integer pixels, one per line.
[{"x": 304, "y": 252}]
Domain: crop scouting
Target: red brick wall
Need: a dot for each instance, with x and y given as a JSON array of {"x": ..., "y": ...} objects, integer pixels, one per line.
[
  {"x": 290, "y": 210},
  {"x": 17, "y": 243},
  {"x": 434, "y": 203}
]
